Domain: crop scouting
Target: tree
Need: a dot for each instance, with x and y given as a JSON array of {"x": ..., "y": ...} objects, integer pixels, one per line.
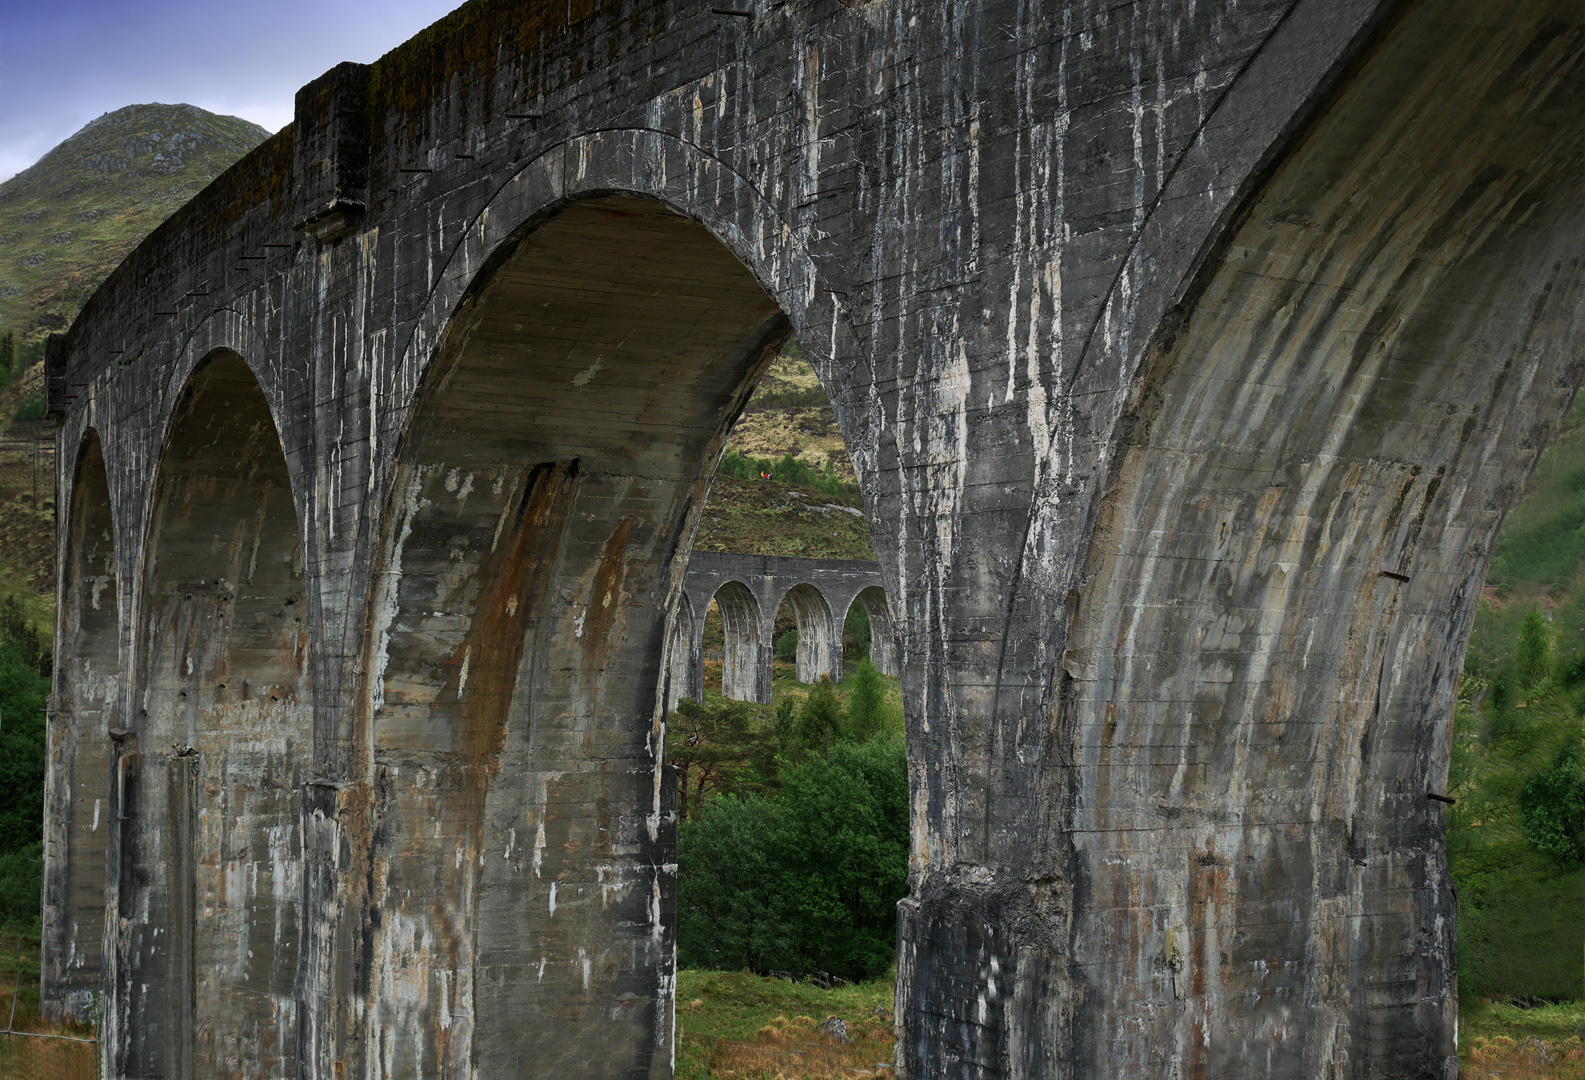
[
  {"x": 23, "y": 694},
  {"x": 866, "y": 703},
  {"x": 720, "y": 745},
  {"x": 820, "y": 721},
  {"x": 731, "y": 912},
  {"x": 1552, "y": 807},
  {"x": 806, "y": 880},
  {"x": 1533, "y": 655},
  {"x": 856, "y": 633},
  {"x": 8, "y": 352}
]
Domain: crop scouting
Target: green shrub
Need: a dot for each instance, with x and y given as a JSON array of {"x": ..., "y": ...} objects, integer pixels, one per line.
[
  {"x": 18, "y": 633},
  {"x": 21, "y": 882},
  {"x": 23, "y": 695},
  {"x": 787, "y": 646},
  {"x": 806, "y": 880},
  {"x": 33, "y": 407},
  {"x": 1533, "y": 653},
  {"x": 1552, "y": 807},
  {"x": 792, "y": 471}
]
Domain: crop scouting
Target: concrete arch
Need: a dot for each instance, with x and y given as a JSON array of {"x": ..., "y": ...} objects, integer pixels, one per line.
[
  {"x": 743, "y": 644},
  {"x": 1302, "y": 518},
  {"x": 79, "y": 810},
  {"x": 819, "y": 636},
  {"x": 210, "y": 876},
  {"x": 1012, "y": 256},
  {"x": 682, "y": 654},
  {"x": 883, "y": 643},
  {"x": 518, "y": 629}
]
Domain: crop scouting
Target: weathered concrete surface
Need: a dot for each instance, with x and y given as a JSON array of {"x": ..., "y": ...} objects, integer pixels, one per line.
[
  {"x": 1188, "y": 353},
  {"x": 748, "y": 590}
]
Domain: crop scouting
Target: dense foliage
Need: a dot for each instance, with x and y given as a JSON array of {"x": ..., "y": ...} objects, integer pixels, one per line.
[
  {"x": 1552, "y": 807},
  {"x": 24, "y": 692},
  {"x": 1514, "y": 837},
  {"x": 798, "y": 863}
]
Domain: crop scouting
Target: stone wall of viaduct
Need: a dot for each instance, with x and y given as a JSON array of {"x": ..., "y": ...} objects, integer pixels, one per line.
[{"x": 1189, "y": 355}]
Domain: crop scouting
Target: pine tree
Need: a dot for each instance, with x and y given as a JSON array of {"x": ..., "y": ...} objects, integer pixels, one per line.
[{"x": 1533, "y": 656}]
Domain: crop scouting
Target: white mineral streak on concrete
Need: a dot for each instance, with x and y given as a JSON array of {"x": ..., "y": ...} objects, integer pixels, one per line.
[{"x": 387, "y": 606}]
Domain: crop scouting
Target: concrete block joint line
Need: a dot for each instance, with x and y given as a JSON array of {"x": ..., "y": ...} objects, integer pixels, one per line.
[{"x": 1189, "y": 356}]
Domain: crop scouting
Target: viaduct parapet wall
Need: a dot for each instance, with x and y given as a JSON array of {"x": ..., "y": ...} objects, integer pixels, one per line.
[{"x": 1188, "y": 354}]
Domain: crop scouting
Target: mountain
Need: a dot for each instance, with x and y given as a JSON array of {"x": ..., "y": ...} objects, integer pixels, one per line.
[{"x": 67, "y": 221}]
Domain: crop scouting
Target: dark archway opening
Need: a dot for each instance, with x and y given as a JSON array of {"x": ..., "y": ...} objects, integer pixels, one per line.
[
  {"x": 210, "y": 870},
  {"x": 78, "y": 815},
  {"x": 557, "y": 459}
]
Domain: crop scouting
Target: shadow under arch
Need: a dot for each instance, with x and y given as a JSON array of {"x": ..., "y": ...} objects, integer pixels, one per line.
[
  {"x": 819, "y": 637},
  {"x": 209, "y": 874},
  {"x": 556, "y": 460},
  {"x": 78, "y": 807},
  {"x": 883, "y": 642},
  {"x": 745, "y": 667}
]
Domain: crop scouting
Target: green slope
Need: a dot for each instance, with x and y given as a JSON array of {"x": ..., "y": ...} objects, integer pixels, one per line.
[
  {"x": 67, "y": 221},
  {"x": 818, "y": 515},
  {"x": 1521, "y": 910}
]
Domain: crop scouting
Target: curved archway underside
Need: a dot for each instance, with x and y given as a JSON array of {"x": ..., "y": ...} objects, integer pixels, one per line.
[
  {"x": 819, "y": 638},
  {"x": 742, "y": 650},
  {"x": 79, "y": 811},
  {"x": 209, "y": 888},
  {"x": 560, "y": 449},
  {"x": 1286, "y": 570},
  {"x": 883, "y": 643}
]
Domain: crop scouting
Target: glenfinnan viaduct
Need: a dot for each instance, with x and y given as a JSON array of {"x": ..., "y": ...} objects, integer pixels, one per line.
[{"x": 1189, "y": 353}]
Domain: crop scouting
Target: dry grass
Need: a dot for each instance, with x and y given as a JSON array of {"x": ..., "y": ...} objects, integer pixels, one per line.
[
  {"x": 31, "y": 1047},
  {"x": 1500, "y": 1039},
  {"x": 793, "y": 1049},
  {"x": 1530, "y": 1059},
  {"x": 737, "y": 1026}
]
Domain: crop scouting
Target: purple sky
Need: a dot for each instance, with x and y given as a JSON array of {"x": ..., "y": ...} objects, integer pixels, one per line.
[{"x": 64, "y": 62}]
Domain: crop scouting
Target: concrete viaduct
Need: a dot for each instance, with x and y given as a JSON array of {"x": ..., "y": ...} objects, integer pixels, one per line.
[
  {"x": 1189, "y": 355},
  {"x": 747, "y": 591}
]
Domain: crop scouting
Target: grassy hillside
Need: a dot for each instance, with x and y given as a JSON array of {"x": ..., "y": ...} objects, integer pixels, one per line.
[
  {"x": 822, "y": 517},
  {"x": 1517, "y": 749},
  {"x": 67, "y": 221}
]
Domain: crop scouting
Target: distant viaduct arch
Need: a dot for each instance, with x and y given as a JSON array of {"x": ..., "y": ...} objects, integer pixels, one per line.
[
  {"x": 1189, "y": 356},
  {"x": 748, "y": 590}
]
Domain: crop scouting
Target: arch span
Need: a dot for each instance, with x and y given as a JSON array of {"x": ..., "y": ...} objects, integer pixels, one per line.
[
  {"x": 78, "y": 809},
  {"x": 743, "y": 647},
  {"x": 576, "y": 408},
  {"x": 1293, "y": 552},
  {"x": 883, "y": 643},
  {"x": 210, "y": 884},
  {"x": 819, "y": 638}
]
